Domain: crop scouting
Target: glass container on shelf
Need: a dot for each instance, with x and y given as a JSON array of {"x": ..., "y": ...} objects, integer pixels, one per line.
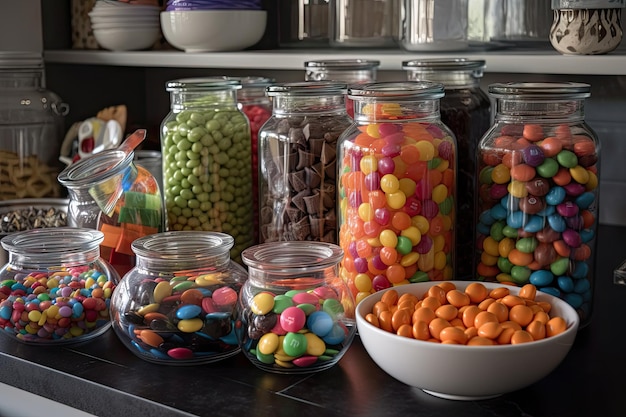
[
  {"x": 466, "y": 110},
  {"x": 397, "y": 188},
  {"x": 110, "y": 193},
  {"x": 537, "y": 199},
  {"x": 296, "y": 315},
  {"x": 31, "y": 129},
  {"x": 207, "y": 170},
  {"x": 177, "y": 305},
  {"x": 363, "y": 23},
  {"x": 303, "y": 23},
  {"x": 297, "y": 159},
  {"x": 56, "y": 288}
]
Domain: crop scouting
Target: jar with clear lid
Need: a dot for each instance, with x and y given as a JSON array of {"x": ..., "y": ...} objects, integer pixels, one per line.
[
  {"x": 297, "y": 161},
  {"x": 109, "y": 192},
  {"x": 537, "y": 200},
  {"x": 31, "y": 129},
  {"x": 56, "y": 286},
  {"x": 303, "y": 23},
  {"x": 466, "y": 110},
  {"x": 177, "y": 305},
  {"x": 363, "y": 23},
  {"x": 397, "y": 188},
  {"x": 295, "y": 314},
  {"x": 206, "y": 151}
]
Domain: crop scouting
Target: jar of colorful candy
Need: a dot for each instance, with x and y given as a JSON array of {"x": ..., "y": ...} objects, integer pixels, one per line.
[
  {"x": 297, "y": 157},
  {"x": 177, "y": 306},
  {"x": 397, "y": 188},
  {"x": 296, "y": 314},
  {"x": 55, "y": 288},
  {"x": 537, "y": 200},
  {"x": 206, "y": 151},
  {"x": 466, "y": 110}
]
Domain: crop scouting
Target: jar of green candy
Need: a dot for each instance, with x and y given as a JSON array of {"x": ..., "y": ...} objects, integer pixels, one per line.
[{"x": 206, "y": 150}]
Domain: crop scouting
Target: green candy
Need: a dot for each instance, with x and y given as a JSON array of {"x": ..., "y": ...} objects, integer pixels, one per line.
[{"x": 294, "y": 344}]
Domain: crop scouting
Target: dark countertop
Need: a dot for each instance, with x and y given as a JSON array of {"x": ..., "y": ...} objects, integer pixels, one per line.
[{"x": 102, "y": 377}]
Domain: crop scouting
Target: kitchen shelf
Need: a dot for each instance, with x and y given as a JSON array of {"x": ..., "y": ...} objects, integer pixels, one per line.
[{"x": 508, "y": 60}]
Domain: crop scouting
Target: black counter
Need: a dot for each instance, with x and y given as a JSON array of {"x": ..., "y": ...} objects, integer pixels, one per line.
[{"x": 102, "y": 377}]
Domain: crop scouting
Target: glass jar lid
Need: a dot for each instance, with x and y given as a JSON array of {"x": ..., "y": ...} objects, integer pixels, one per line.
[
  {"x": 51, "y": 243},
  {"x": 183, "y": 245},
  {"x": 307, "y": 89},
  {"x": 293, "y": 257},
  {"x": 203, "y": 84},
  {"x": 397, "y": 90},
  {"x": 540, "y": 90},
  {"x": 446, "y": 64},
  {"x": 342, "y": 64}
]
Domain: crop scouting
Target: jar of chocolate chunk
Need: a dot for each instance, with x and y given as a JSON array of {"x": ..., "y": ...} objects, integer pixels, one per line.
[
  {"x": 207, "y": 169},
  {"x": 397, "y": 188},
  {"x": 297, "y": 161},
  {"x": 466, "y": 110},
  {"x": 537, "y": 199}
]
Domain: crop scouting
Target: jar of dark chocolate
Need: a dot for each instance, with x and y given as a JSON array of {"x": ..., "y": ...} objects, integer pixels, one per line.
[
  {"x": 466, "y": 110},
  {"x": 297, "y": 161},
  {"x": 537, "y": 199},
  {"x": 397, "y": 182},
  {"x": 177, "y": 305}
]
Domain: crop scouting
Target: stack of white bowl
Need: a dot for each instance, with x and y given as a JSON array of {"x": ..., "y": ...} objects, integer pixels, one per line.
[{"x": 122, "y": 26}]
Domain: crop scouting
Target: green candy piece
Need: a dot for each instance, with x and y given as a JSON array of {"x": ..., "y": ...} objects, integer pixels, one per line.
[
  {"x": 404, "y": 245},
  {"x": 560, "y": 266},
  {"x": 496, "y": 231},
  {"x": 307, "y": 308},
  {"x": 419, "y": 276},
  {"x": 520, "y": 274},
  {"x": 504, "y": 265},
  {"x": 548, "y": 168},
  {"x": 567, "y": 159},
  {"x": 526, "y": 244},
  {"x": 264, "y": 358},
  {"x": 332, "y": 307},
  {"x": 294, "y": 344},
  {"x": 485, "y": 175},
  {"x": 509, "y": 231},
  {"x": 281, "y": 302}
]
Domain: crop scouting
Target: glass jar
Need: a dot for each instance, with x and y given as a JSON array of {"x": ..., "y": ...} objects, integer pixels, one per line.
[
  {"x": 537, "y": 199},
  {"x": 206, "y": 149},
  {"x": 31, "y": 129},
  {"x": 297, "y": 157},
  {"x": 296, "y": 315},
  {"x": 303, "y": 23},
  {"x": 177, "y": 305},
  {"x": 109, "y": 192},
  {"x": 397, "y": 188},
  {"x": 466, "y": 110},
  {"x": 55, "y": 288},
  {"x": 363, "y": 23}
]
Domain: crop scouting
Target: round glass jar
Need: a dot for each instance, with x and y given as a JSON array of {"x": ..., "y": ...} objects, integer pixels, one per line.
[
  {"x": 206, "y": 150},
  {"x": 296, "y": 315},
  {"x": 466, "y": 110},
  {"x": 31, "y": 129},
  {"x": 537, "y": 200},
  {"x": 109, "y": 192},
  {"x": 55, "y": 288},
  {"x": 177, "y": 305},
  {"x": 297, "y": 161},
  {"x": 397, "y": 188}
]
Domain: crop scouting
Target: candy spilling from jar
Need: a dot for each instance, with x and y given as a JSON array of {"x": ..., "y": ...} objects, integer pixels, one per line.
[
  {"x": 68, "y": 304},
  {"x": 538, "y": 212}
]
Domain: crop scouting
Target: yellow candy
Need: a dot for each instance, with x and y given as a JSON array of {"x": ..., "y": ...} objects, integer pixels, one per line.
[
  {"x": 396, "y": 200},
  {"x": 190, "y": 325},
  {"x": 501, "y": 174},
  {"x": 368, "y": 164}
]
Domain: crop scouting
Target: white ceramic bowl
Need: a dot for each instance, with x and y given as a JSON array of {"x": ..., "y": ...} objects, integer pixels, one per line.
[
  {"x": 116, "y": 25},
  {"x": 213, "y": 30},
  {"x": 127, "y": 39},
  {"x": 464, "y": 372}
]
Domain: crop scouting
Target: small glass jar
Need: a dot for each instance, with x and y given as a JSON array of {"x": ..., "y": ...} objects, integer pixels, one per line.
[
  {"x": 296, "y": 315},
  {"x": 363, "y": 23},
  {"x": 177, "y": 305},
  {"x": 303, "y": 23},
  {"x": 397, "y": 188},
  {"x": 586, "y": 27},
  {"x": 110, "y": 193},
  {"x": 31, "y": 129},
  {"x": 297, "y": 161},
  {"x": 440, "y": 25},
  {"x": 206, "y": 149},
  {"x": 537, "y": 199},
  {"x": 466, "y": 110},
  {"x": 55, "y": 288}
]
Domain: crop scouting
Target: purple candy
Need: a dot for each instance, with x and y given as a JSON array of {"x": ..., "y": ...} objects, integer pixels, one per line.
[
  {"x": 360, "y": 264},
  {"x": 574, "y": 189},
  {"x": 382, "y": 216},
  {"x": 575, "y": 222},
  {"x": 497, "y": 191},
  {"x": 372, "y": 181},
  {"x": 352, "y": 249},
  {"x": 380, "y": 282},
  {"x": 424, "y": 245},
  {"x": 386, "y": 165},
  {"x": 567, "y": 209},
  {"x": 378, "y": 263},
  {"x": 430, "y": 209},
  {"x": 392, "y": 150},
  {"x": 533, "y": 155},
  {"x": 446, "y": 151},
  {"x": 396, "y": 138},
  {"x": 386, "y": 129},
  {"x": 572, "y": 238}
]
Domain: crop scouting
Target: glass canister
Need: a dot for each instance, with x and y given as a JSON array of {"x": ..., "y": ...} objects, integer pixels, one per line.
[
  {"x": 177, "y": 305},
  {"x": 206, "y": 149},
  {"x": 296, "y": 315},
  {"x": 397, "y": 188},
  {"x": 537, "y": 200},
  {"x": 363, "y": 23},
  {"x": 31, "y": 129},
  {"x": 297, "y": 161},
  {"x": 55, "y": 288},
  {"x": 466, "y": 110},
  {"x": 303, "y": 23},
  {"x": 110, "y": 193}
]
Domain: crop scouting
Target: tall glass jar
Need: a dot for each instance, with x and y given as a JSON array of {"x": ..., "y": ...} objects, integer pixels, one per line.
[
  {"x": 297, "y": 158},
  {"x": 296, "y": 315},
  {"x": 466, "y": 110},
  {"x": 56, "y": 288},
  {"x": 110, "y": 193},
  {"x": 31, "y": 129},
  {"x": 537, "y": 200},
  {"x": 363, "y": 23},
  {"x": 397, "y": 188},
  {"x": 177, "y": 305},
  {"x": 206, "y": 150}
]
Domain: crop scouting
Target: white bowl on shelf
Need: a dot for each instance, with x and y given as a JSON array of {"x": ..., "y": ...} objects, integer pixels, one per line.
[
  {"x": 213, "y": 30},
  {"x": 127, "y": 39},
  {"x": 116, "y": 25}
]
